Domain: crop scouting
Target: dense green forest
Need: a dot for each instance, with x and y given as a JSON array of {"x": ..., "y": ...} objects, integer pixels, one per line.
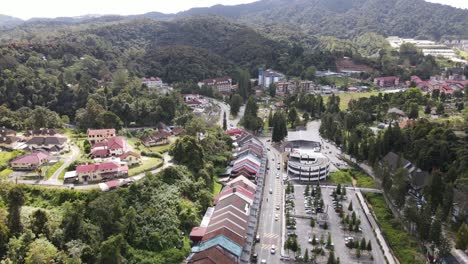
[
  {"x": 430, "y": 146},
  {"x": 148, "y": 222},
  {"x": 339, "y": 18},
  {"x": 91, "y": 75},
  {"x": 348, "y": 18}
]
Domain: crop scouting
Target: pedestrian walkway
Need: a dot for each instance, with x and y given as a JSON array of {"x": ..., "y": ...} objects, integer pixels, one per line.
[{"x": 386, "y": 250}]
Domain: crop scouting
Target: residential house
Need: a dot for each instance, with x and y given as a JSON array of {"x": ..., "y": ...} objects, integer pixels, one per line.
[
  {"x": 131, "y": 158},
  {"x": 44, "y": 132},
  {"x": 307, "y": 86},
  {"x": 158, "y": 138},
  {"x": 417, "y": 178},
  {"x": 100, "y": 171},
  {"x": 8, "y": 138},
  {"x": 234, "y": 132},
  {"x": 9, "y": 142},
  {"x": 48, "y": 143},
  {"x": 111, "y": 147},
  {"x": 267, "y": 77},
  {"x": 98, "y": 135},
  {"x": 177, "y": 131},
  {"x": 152, "y": 82},
  {"x": 30, "y": 162},
  {"x": 283, "y": 88},
  {"x": 387, "y": 81},
  {"x": 222, "y": 85},
  {"x": 7, "y": 132}
]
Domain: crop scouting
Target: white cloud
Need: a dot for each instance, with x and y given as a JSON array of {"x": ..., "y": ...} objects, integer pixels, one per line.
[
  {"x": 455, "y": 3},
  {"x": 26, "y": 9}
]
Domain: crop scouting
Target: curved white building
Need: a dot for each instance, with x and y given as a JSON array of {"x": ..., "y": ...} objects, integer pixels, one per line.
[{"x": 308, "y": 166}]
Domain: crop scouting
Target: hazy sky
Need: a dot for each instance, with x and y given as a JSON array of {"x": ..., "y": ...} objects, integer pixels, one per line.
[{"x": 26, "y": 9}]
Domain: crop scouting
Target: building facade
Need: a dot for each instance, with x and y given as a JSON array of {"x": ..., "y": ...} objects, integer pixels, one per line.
[
  {"x": 267, "y": 77},
  {"x": 308, "y": 166},
  {"x": 100, "y": 171},
  {"x": 98, "y": 135},
  {"x": 222, "y": 85},
  {"x": 152, "y": 82}
]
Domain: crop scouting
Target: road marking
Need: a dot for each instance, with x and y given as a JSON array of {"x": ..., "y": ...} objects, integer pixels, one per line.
[{"x": 269, "y": 239}]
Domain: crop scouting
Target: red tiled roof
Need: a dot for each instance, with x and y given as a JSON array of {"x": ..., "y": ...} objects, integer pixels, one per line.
[
  {"x": 94, "y": 132},
  {"x": 177, "y": 130},
  {"x": 115, "y": 143},
  {"x": 230, "y": 222},
  {"x": 387, "y": 78},
  {"x": 33, "y": 158},
  {"x": 198, "y": 232},
  {"x": 236, "y": 238},
  {"x": 100, "y": 153},
  {"x": 130, "y": 153},
  {"x": 193, "y": 102},
  {"x": 161, "y": 134},
  {"x": 229, "y": 190},
  {"x": 235, "y": 131},
  {"x": 213, "y": 255},
  {"x": 97, "y": 167},
  {"x": 113, "y": 184}
]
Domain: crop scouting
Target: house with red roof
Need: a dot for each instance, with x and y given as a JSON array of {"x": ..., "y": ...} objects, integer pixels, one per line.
[
  {"x": 98, "y": 135},
  {"x": 100, "y": 171},
  {"x": 158, "y": 138},
  {"x": 222, "y": 85},
  {"x": 30, "y": 162},
  {"x": 387, "y": 81},
  {"x": 152, "y": 82},
  {"x": 235, "y": 132},
  {"x": 111, "y": 147},
  {"x": 131, "y": 158}
]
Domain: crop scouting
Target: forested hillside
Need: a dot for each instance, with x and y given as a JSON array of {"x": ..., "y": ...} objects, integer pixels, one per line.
[
  {"x": 88, "y": 71},
  {"x": 348, "y": 18}
]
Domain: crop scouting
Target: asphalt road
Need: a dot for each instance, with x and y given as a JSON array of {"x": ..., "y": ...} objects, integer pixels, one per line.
[
  {"x": 225, "y": 108},
  {"x": 269, "y": 228}
]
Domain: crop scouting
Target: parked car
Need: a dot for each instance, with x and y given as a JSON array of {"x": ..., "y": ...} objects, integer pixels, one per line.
[{"x": 254, "y": 257}]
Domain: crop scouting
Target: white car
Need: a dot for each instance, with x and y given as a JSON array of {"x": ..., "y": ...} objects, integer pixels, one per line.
[
  {"x": 263, "y": 261},
  {"x": 277, "y": 207},
  {"x": 273, "y": 249},
  {"x": 277, "y": 175},
  {"x": 276, "y": 217}
]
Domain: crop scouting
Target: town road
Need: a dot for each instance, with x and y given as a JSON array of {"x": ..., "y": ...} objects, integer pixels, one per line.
[
  {"x": 271, "y": 216},
  {"x": 53, "y": 180}
]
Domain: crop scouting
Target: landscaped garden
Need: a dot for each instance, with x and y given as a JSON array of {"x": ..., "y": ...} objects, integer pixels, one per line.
[{"x": 405, "y": 247}]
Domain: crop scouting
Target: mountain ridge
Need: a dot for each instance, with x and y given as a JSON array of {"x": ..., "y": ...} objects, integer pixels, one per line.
[{"x": 339, "y": 18}]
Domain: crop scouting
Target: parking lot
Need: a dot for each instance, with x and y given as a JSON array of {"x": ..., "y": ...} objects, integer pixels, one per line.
[{"x": 333, "y": 231}]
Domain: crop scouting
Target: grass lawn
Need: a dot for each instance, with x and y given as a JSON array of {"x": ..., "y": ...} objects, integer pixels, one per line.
[
  {"x": 160, "y": 149},
  {"x": 62, "y": 173},
  {"x": 7, "y": 156},
  {"x": 347, "y": 176},
  {"x": 405, "y": 247},
  {"x": 216, "y": 186},
  {"x": 346, "y": 97},
  {"x": 5, "y": 173},
  {"x": 147, "y": 164},
  {"x": 464, "y": 53},
  {"x": 341, "y": 177},
  {"x": 52, "y": 169}
]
